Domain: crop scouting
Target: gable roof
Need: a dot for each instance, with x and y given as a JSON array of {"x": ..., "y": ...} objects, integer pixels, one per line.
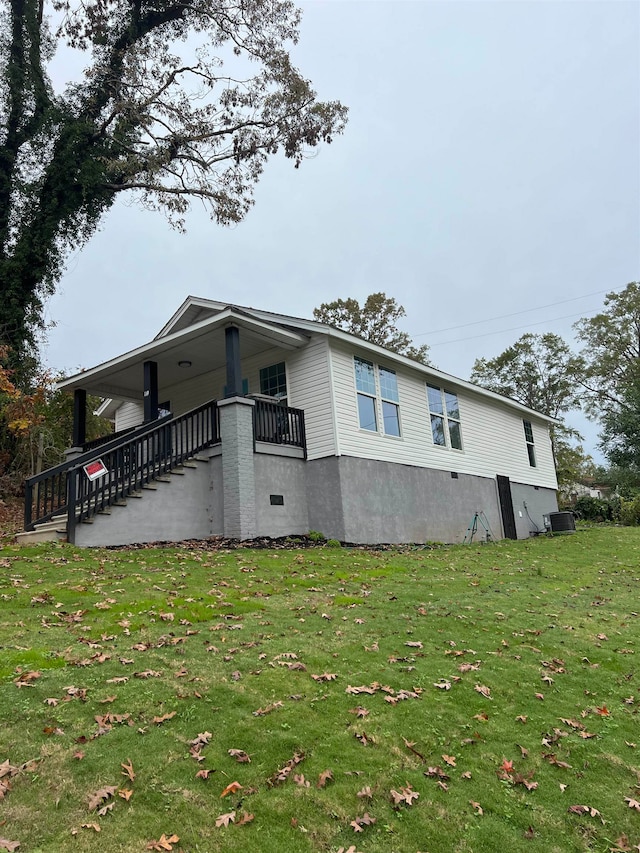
[
  {"x": 120, "y": 376},
  {"x": 195, "y": 307},
  {"x": 197, "y": 317}
]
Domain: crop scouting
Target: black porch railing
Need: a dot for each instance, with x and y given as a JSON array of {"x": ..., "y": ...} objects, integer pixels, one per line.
[
  {"x": 105, "y": 439},
  {"x": 131, "y": 461},
  {"x": 278, "y": 424}
]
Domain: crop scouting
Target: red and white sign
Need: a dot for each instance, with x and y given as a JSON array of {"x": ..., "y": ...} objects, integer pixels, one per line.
[{"x": 95, "y": 469}]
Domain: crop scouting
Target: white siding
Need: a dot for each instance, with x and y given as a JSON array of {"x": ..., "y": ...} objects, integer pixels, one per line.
[
  {"x": 129, "y": 415},
  {"x": 492, "y": 433},
  {"x": 309, "y": 379}
]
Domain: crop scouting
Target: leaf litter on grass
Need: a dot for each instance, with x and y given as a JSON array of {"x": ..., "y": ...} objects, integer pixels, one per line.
[{"x": 421, "y": 600}]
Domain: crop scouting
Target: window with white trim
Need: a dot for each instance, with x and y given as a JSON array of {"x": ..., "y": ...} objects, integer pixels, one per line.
[
  {"x": 273, "y": 380},
  {"x": 377, "y": 394},
  {"x": 445, "y": 417},
  {"x": 528, "y": 435}
]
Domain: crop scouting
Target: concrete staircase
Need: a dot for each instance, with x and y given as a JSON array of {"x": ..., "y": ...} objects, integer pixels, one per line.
[{"x": 55, "y": 530}]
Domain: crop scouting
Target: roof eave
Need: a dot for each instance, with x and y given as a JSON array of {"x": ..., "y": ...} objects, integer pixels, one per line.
[{"x": 229, "y": 316}]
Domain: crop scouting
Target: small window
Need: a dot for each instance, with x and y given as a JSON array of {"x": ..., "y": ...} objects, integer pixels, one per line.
[
  {"x": 445, "y": 417},
  {"x": 273, "y": 380},
  {"x": 366, "y": 388},
  {"x": 528, "y": 434},
  {"x": 390, "y": 407}
]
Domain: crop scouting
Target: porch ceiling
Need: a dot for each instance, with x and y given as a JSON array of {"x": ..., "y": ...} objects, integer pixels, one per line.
[{"x": 203, "y": 344}]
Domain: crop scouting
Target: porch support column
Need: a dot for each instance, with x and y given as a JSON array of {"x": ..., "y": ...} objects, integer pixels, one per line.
[
  {"x": 79, "y": 417},
  {"x": 150, "y": 391},
  {"x": 234, "y": 371},
  {"x": 238, "y": 474}
]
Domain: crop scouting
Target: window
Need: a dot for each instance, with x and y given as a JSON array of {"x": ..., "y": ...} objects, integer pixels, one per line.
[
  {"x": 445, "y": 417},
  {"x": 366, "y": 388},
  {"x": 378, "y": 396},
  {"x": 528, "y": 434},
  {"x": 273, "y": 380},
  {"x": 390, "y": 407}
]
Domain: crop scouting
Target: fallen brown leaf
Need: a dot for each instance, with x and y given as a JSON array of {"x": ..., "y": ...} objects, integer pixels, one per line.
[
  {"x": 585, "y": 810},
  {"x": 405, "y": 795},
  {"x": 26, "y": 679},
  {"x": 127, "y": 770},
  {"x": 282, "y": 774},
  {"x": 326, "y": 676},
  {"x": 240, "y": 755},
  {"x": 364, "y": 820},
  {"x": 262, "y": 712},
  {"x": 324, "y": 777},
  {"x": 231, "y": 788},
  {"x": 476, "y": 807},
  {"x": 101, "y": 795},
  {"x": 359, "y": 711},
  {"x": 163, "y": 719},
  {"x": 163, "y": 843},
  {"x": 226, "y": 819}
]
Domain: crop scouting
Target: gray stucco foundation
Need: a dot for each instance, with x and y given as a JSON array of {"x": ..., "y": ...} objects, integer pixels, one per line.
[
  {"x": 530, "y": 504},
  {"x": 346, "y": 498},
  {"x": 368, "y": 501}
]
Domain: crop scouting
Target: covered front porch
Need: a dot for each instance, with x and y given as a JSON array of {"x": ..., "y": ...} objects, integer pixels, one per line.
[
  {"x": 230, "y": 428},
  {"x": 194, "y": 361}
]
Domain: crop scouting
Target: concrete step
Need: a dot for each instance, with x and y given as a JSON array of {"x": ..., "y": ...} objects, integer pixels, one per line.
[
  {"x": 51, "y": 525},
  {"x": 42, "y": 533}
]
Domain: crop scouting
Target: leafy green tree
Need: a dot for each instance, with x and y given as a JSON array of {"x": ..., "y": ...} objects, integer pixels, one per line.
[
  {"x": 611, "y": 350},
  {"x": 179, "y": 100},
  {"x": 573, "y": 465},
  {"x": 541, "y": 372},
  {"x": 620, "y": 436},
  {"x": 375, "y": 321},
  {"x": 621, "y": 481}
]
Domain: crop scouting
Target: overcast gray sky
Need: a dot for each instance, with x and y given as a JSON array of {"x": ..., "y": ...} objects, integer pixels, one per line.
[{"x": 490, "y": 166}]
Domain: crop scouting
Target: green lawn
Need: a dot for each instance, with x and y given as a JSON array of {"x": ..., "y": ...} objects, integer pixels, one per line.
[{"x": 467, "y": 698}]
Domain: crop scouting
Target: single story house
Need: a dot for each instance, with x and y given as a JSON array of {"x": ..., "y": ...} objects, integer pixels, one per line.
[{"x": 239, "y": 422}]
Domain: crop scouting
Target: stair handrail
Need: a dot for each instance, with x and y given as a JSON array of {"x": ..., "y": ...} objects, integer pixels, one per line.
[{"x": 77, "y": 462}]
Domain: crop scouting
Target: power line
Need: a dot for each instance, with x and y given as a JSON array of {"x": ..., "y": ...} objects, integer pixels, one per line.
[
  {"x": 513, "y": 314},
  {"x": 512, "y": 329}
]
